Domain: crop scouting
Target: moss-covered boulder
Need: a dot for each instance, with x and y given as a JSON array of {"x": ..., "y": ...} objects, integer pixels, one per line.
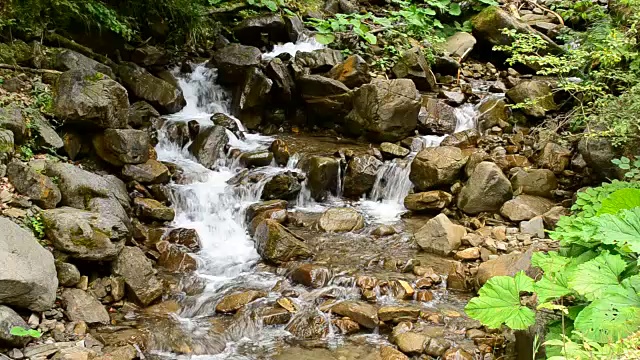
[
  {"x": 536, "y": 96},
  {"x": 164, "y": 96}
]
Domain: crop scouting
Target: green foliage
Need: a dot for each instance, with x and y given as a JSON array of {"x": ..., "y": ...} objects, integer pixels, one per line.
[
  {"x": 36, "y": 225},
  {"x": 26, "y": 152},
  {"x": 22, "y": 332},
  {"x": 272, "y": 5},
  {"x": 592, "y": 282},
  {"x": 633, "y": 168}
]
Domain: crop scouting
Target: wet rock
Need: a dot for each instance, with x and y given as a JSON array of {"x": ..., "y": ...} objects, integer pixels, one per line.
[
  {"x": 80, "y": 306},
  {"x": 76, "y": 104},
  {"x": 177, "y": 133},
  {"x": 280, "y": 152},
  {"x": 488, "y": 25},
  {"x": 68, "y": 274},
  {"x": 22, "y": 284},
  {"x": 30, "y": 183},
  {"x": 318, "y": 61},
  {"x": 391, "y": 151},
  {"x": 346, "y": 326},
  {"x": 138, "y": 274},
  {"x": 255, "y": 209},
  {"x": 250, "y": 97},
  {"x": 554, "y": 214},
  {"x": 537, "y": 94},
  {"x": 397, "y": 314},
  {"x": 236, "y": 301},
  {"x": 360, "y": 176},
  {"x": 437, "y": 166},
  {"x": 394, "y": 120},
  {"x": 152, "y": 210},
  {"x": 282, "y": 186},
  {"x": 308, "y": 325},
  {"x": 402, "y": 289},
  {"x": 493, "y": 112},
  {"x": 188, "y": 238},
  {"x": 341, "y": 220},
  {"x": 456, "y": 354},
  {"x": 486, "y": 190},
  {"x": 353, "y": 72},
  {"x": 322, "y": 176},
  {"x": 462, "y": 139},
  {"x": 7, "y": 146},
  {"x": 262, "y": 30},
  {"x": 383, "y": 230},
  {"x": 440, "y": 236},
  {"x": 151, "y": 172},
  {"x": 257, "y": 158},
  {"x": 389, "y": 353},
  {"x": 554, "y": 157},
  {"x": 411, "y": 343},
  {"x": 275, "y": 316},
  {"x": 362, "y": 313},
  {"x": 314, "y": 276},
  {"x": 83, "y": 234},
  {"x": 283, "y": 84},
  {"x": 413, "y": 65},
  {"x": 537, "y": 182},
  {"x": 8, "y": 320},
  {"x": 427, "y": 201},
  {"x": 70, "y": 60},
  {"x": 459, "y": 45},
  {"x": 468, "y": 254},
  {"x": 75, "y": 353},
  {"x": 525, "y": 207},
  {"x": 45, "y": 136},
  {"x": 175, "y": 258},
  {"x": 457, "y": 277},
  {"x": 208, "y": 145},
  {"x": 505, "y": 265},
  {"x": 277, "y": 245},
  {"x": 233, "y": 61},
  {"x": 162, "y": 95},
  {"x": 123, "y": 146},
  {"x": 438, "y": 118},
  {"x": 436, "y": 347}
]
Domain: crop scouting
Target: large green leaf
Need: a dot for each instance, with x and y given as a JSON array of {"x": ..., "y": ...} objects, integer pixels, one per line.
[
  {"x": 325, "y": 39},
  {"x": 596, "y": 276},
  {"x": 621, "y": 229},
  {"x": 622, "y": 199},
  {"x": 550, "y": 262},
  {"x": 499, "y": 302},
  {"x": 615, "y": 315},
  {"x": 551, "y": 287}
]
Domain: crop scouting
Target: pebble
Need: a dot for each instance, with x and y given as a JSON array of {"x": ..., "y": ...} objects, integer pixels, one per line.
[{"x": 15, "y": 354}]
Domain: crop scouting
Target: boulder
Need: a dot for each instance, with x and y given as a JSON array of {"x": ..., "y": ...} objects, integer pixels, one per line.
[
  {"x": 389, "y": 353},
  {"x": 208, "y": 145},
  {"x": 68, "y": 274},
  {"x": 353, "y": 72},
  {"x": 11, "y": 119},
  {"x": 384, "y": 110},
  {"x": 142, "y": 115},
  {"x": 309, "y": 325},
  {"x": 76, "y": 103},
  {"x": 598, "y": 152},
  {"x": 537, "y": 95},
  {"x": 314, "y": 276},
  {"x": 283, "y": 85},
  {"x": 397, "y": 314},
  {"x": 313, "y": 86},
  {"x": 282, "y": 186},
  {"x": 262, "y": 30},
  {"x": 412, "y": 65},
  {"x": 554, "y": 157},
  {"x": 493, "y": 111},
  {"x": 277, "y": 245},
  {"x": 525, "y": 207},
  {"x": 533, "y": 227},
  {"x": 364, "y": 314},
  {"x": 85, "y": 235},
  {"x": 138, "y": 274},
  {"x": 151, "y": 172},
  {"x": 80, "y": 306},
  {"x": 149, "y": 55},
  {"x": 250, "y": 97},
  {"x": 70, "y": 60},
  {"x": 438, "y": 119},
  {"x": 257, "y": 158},
  {"x": 8, "y": 320},
  {"x": 152, "y": 210},
  {"x": 341, "y": 220},
  {"x": 233, "y": 61},
  {"x": 537, "y": 182},
  {"x": 318, "y": 61},
  {"x": 162, "y": 95},
  {"x": 27, "y": 271},
  {"x": 32, "y": 184},
  {"x": 459, "y": 45},
  {"x": 280, "y": 152},
  {"x": 236, "y": 301},
  {"x": 488, "y": 25},
  {"x": 360, "y": 176},
  {"x": 463, "y": 139},
  {"x": 256, "y": 209},
  {"x": 486, "y": 190},
  {"x": 187, "y": 238},
  {"x": 411, "y": 343},
  {"x": 435, "y": 200},
  {"x": 440, "y": 236},
  {"x": 437, "y": 166},
  {"x": 45, "y": 136},
  {"x": 505, "y": 265},
  {"x": 123, "y": 146},
  {"x": 175, "y": 258},
  {"x": 7, "y": 145},
  {"x": 322, "y": 176},
  {"x": 391, "y": 151}
]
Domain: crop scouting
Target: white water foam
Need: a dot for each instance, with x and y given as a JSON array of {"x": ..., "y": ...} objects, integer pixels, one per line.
[{"x": 304, "y": 44}]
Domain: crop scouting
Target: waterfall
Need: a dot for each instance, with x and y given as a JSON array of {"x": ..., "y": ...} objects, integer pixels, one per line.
[{"x": 304, "y": 44}]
